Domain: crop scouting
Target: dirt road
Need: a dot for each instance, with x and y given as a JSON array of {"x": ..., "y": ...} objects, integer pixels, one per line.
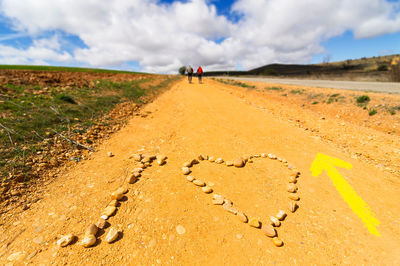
[
  {"x": 167, "y": 220},
  {"x": 389, "y": 87}
]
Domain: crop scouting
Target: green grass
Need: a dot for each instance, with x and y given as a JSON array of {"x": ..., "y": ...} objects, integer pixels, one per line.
[
  {"x": 315, "y": 102},
  {"x": 235, "y": 83},
  {"x": 29, "y": 117},
  {"x": 273, "y": 88},
  {"x": 299, "y": 91},
  {"x": 372, "y": 112},
  {"x": 363, "y": 99},
  {"x": 69, "y": 69}
]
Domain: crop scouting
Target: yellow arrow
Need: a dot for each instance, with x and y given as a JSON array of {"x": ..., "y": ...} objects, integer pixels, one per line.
[{"x": 327, "y": 163}]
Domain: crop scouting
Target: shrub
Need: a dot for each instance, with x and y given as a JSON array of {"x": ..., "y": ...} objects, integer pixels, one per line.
[
  {"x": 382, "y": 68},
  {"x": 65, "y": 98},
  {"x": 372, "y": 112},
  {"x": 182, "y": 70},
  {"x": 315, "y": 103},
  {"x": 363, "y": 99}
]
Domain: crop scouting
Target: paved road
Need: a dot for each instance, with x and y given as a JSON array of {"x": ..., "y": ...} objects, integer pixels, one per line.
[{"x": 389, "y": 87}]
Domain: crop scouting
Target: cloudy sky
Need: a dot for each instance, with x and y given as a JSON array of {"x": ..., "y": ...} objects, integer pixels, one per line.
[{"x": 162, "y": 35}]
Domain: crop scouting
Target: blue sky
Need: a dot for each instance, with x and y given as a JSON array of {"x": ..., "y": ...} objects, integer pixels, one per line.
[{"x": 160, "y": 36}]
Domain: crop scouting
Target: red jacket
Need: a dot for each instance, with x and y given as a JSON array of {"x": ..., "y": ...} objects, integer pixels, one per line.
[{"x": 200, "y": 70}]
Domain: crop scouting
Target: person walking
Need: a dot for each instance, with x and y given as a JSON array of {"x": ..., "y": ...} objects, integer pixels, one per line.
[
  {"x": 200, "y": 73},
  {"x": 189, "y": 71}
]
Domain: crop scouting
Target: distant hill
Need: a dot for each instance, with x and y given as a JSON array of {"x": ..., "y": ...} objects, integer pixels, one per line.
[{"x": 372, "y": 68}]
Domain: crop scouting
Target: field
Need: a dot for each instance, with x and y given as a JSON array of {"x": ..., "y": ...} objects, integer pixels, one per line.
[
  {"x": 138, "y": 138},
  {"x": 41, "y": 110}
]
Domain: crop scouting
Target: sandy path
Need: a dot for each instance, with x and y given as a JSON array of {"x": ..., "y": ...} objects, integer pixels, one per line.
[{"x": 210, "y": 119}]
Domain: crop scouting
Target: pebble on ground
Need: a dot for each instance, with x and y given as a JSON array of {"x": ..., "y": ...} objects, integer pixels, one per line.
[
  {"x": 88, "y": 241},
  {"x": 65, "y": 240},
  {"x": 112, "y": 235}
]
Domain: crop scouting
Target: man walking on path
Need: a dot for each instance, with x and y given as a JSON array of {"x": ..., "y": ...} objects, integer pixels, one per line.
[
  {"x": 189, "y": 71},
  {"x": 200, "y": 73}
]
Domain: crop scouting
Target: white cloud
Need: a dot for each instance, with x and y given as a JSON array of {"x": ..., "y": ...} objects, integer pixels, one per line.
[
  {"x": 162, "y": 37},
  {"x": 41, "y": 52}
]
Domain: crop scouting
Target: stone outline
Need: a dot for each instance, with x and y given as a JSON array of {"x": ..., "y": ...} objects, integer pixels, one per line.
[{"x": 228, "y": 205}]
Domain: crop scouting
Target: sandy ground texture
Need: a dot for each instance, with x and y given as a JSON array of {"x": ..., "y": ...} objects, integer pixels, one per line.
[{"x": 167, "y": 220}]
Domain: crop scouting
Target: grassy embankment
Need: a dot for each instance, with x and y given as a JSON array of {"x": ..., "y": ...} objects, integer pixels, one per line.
[
  {"x": 31, "y": 115},
  {"x": 68, "y": 69}
]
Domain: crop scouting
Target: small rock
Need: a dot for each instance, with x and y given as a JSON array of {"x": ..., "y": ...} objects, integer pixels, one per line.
[
  {"x": 16, "y": 256},
  {"x": 218, "y": 201},
  {"x": 146, "y": 159},
  {"x": 137, "y": 157},
  {"x": 109, "y": 210},
  {"x": 281, "y": 215},
  {"x": 254, "y": 222},
  {"x": 294, "y": 197},
  {"x": 102, "y": 223},
  {"x": 229, "y": 208},
  {"x": 292, "y": 179},
  {"x": 275, "y": 221},
  {"x": 238, "y": 162},
  {"x": 194, "y": 161},
  {"x": 211, "y": 159},
  {"x": 219, "y": 160},
  {"x": 256, "y": 155},
  {"x": 180, "y": 230},
  {"x": 136, "y": 174},
  {"x": 189, "y": 178},
  {"x": 200, "y": 157},
  {"x": 277, "y": 242},
  {"x": 295, "y": 174},
  {"x": 160, "y": 162},
  {"x": 112, "y": 235},
  {"x": 293, "y": 206},
  {"x": 272, "y": 156},
  {"x": 137, "y": 170},
  {"x": 109, "y": 154},
  {"x": 217, "y": 196},
  {"x": 65, "y": 240},
  {"x": 186, "y": 170},
  {"x": 199, "y": 183},
  {"x": 187, "y": 164},
  {"x": 88, "y": 241},
  {"x": 161, "y": 157},
  {"x": 207, "y": 189},
  {"x": 268, "y": 230},
  {"x": 141, "y": 165},
  {"x": 242, "y": 217},
  {"x": 132, "y": 179},
  {"x": 263, "y": 155},
  {"x": 291, "y": 188},
  {"x": 229, "y": 163},
  {"x": 239, "y": 236},
  {"x": 105, "y": 217},
  {"x": 117, "y": 195},
  {"x": 91, "y": 230}
]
